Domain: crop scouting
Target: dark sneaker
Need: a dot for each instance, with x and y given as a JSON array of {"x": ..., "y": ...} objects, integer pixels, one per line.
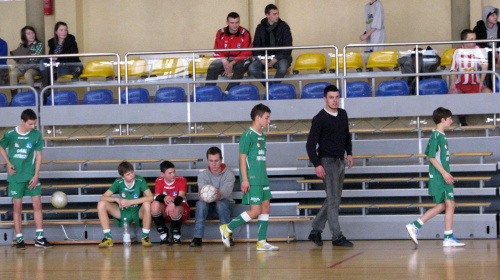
[
  {"x": 316, "y": 238},
  {"x": 231, "y": 241},
  {"x": 164, "y": 241},
  {"x": 342, "y": 241},
  {"x": 43, "y": 243},
  {"x": 176, "y": 240},
  {"x": 196, "y": 242},
  {"x": 20, "y": 245}
]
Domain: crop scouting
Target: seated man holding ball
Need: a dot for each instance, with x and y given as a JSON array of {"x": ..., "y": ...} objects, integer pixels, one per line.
[{"x": 223, "y": 179}]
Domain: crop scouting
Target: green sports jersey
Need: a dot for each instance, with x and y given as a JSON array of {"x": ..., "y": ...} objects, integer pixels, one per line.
[
  {"x": 438, "y": 149},
  {"x": 133, "y": 192},
  {"x": 22, "y": 152},
  {"x": 253, "y": 145}
]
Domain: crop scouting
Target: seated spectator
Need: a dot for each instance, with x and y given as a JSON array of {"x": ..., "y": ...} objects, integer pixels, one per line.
[
  {"x": 62, "y": 43},
  {"x": 468, "y": 58},
  {"x": 231, "y": 37},
  {"x": 488, "y": 28},
  {"x": 28, "y": 68},
  {"x": 271, "y": 32},
  {"x": 3, "y": 62},
  {"x": 223, "y": 179}
]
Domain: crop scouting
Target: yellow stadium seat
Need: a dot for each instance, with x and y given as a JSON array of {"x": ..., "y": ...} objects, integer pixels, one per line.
[
  {"x": 447, "y": 58},
  {"x": 136, "y": 68},
  {"x": 354, "y": 60},
  {"x": 167, "y": 66},
  {"x": 310, "y": 61},
  {"x": 98, "y": 68},
  {"x": 382, "y": 59},
  {"x": 69, "y": 76},
  {"x": 201, "y": 64}
]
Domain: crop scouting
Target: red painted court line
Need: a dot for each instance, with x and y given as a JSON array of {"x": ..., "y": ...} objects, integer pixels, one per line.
[{"x": 344, "y": 260}]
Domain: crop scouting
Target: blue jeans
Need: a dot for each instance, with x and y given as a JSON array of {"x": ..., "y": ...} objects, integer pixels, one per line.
[
  {"x": 257, "y": 67},
  {"x": 220, "y": 209},
  {"x": 334, "y": 181}
]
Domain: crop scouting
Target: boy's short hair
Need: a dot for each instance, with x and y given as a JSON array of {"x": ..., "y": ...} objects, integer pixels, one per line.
[
  {"x": 232, "y": 15},
  {"x": 440, "y": 113},
  {"x": 464, "y": 33},
  {"x": 164, "y": 165},
  {"x": 214, "y": 151},
  {"x": 125, "y": 167},
  {"x": 28, "y": 115},
  {"x": 259, "y": 110},
  {"x": 270, "y": 7},
  {"x": 330, "y": 88}
]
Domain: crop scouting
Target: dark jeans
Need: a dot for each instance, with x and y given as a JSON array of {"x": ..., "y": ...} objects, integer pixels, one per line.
[
  {"x": 220, "y": 209},
  {"x": 334, "y": 181},
  {"x": 257, "y": 67},
  {"x": 216, "y": 68}
]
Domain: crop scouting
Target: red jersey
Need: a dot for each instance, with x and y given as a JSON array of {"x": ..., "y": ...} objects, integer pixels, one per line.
[
  {"x": 226, "y": 40},
  {"x": 468, "y": 60},
  {"x": 172, "y": 190}
]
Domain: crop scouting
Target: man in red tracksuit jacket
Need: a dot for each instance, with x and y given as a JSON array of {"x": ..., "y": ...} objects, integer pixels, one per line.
[{"x": 232, "y": 64}]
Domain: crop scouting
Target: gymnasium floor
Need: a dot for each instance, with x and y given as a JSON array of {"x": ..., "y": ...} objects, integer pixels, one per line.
[{"x": 299, "y": 260}]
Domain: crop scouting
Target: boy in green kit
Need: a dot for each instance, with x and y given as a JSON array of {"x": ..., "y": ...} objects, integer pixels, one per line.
[
  {"x": 24, "y": 159},
  {"x": 133, "y": 203},
  {"x": 440, "y": 181},
  {"x": 253, "y": 179}
]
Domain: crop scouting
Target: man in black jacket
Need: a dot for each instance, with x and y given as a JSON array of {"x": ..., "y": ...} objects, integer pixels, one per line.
[
  {"x": 488, "y": 28},
  {"x": 271, "y": 32}
]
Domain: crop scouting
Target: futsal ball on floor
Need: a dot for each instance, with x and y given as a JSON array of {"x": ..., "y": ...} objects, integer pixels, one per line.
[
  {"x": 59, "y": 199},
  {"x": 208, "y": 193}
]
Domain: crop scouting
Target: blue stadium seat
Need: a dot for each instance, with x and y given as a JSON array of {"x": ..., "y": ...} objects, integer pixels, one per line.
[
  {"x": 208, "y": 94},
  {"x": 358, "y": 89},
  {"x": 170, "y": 94},
  {"x": 23, "y": 99},
  {"x": 98, "y": 96},
  {"x": 243, "y": 92},
  {"x": 432, "y": 86},
  {"x": 135, "y": 95},
  {"x": 63, "y": 97},
  {"x": 281, "y": 91},
  {"x": 314, "y": 90},
  {"x": 393, "y": 88},
  {"x": 3, "y": 100}
]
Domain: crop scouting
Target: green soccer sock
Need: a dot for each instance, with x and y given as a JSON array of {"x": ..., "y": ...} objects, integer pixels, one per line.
[
  {"x": 418, "y": 223},
  {"x": 238, "y": 221},
  {"x": 39, "y": 233},
  {"x": 107, "y": 234},
  {"x": 448, "y": 234},
  {"x": 19, "y": 237},
  {"x": 145, "y": 233},
  {"x": 262, "y": 224}
]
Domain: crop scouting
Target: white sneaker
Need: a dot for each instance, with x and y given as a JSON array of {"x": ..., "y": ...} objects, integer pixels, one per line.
[
  {"x": 452, "y": 242},
  {"x": 264, "y": 246},
  {"x": 412, "y": 231}
]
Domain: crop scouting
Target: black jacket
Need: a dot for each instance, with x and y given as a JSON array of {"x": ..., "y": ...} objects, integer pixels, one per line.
[
  {"x": 482, "y": 34},
  {"x": 283, "y": 37},
  {"x": 69, "y": 46}
]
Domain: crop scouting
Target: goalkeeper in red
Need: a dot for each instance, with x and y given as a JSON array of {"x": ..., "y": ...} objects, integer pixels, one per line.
[{"x": 253, "y": 179}]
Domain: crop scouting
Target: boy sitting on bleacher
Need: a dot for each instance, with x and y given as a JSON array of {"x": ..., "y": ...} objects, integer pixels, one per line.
[{"x": 132, "y": 203}]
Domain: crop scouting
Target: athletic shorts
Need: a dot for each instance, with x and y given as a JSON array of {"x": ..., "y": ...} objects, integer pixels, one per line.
[
  {"x": 256, "y": 195},
  {"x": 445, "y": 194},
  {"x": 20, "y": 189},
  {"x": 185, "y": 215},
  {"x": 132, "y": 215},
  {"x": 468, "y": 88}
]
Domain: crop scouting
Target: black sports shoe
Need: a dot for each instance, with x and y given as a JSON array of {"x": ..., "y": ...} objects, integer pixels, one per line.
[
  {"x": 196, "y": 242},
  {"x": 176, "y": 241},
  {"x": 164, "y": 241},
  {"x": 316, "y": 238},
  {"x": 231, "y": 241},
  {"x": 20, "y": 245},
  {"x": 342, "y": 241},
  {"x": 43, "y": 243}
]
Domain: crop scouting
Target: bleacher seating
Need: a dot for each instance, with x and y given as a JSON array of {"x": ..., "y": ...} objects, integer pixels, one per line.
[
  {"x": 281, "y": 91},
  {"x": 98, "y": 96},
  {"x": 3, "y": 100},
  {"x": 447, "y": 58},
  {"x": 98, "y": 68},
  {"x": 63, "y": 97},
  {"x": 310, "y": 61},
  {"x": 136, "y": 68},
  {"x": 208, "y": 94},
  {"x": 201, "y": 64},
  {"x": 382, "y": 59},
  {"x": 23, "y": 99},
  {"x": 314, "y": 90},
  {"x": 170, "y": 94},
  {"x": 393, "y": 88},
  {"x": 354, "y": 60},
  {"x": 432, "y": 86},
  {"x": 167, "y": 66},
  {"x": 243, "y": 92},
  {"x": 358, "y": 89},
  {"x": 135, "y": 95}
]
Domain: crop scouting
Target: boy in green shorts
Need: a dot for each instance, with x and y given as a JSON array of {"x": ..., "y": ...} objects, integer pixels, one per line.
[
  {"x": 24, "y": 144},
  {"x": 253, "y": 179},
  {"x": 133, "y": 191},
  {"x": 440, "y": 180}
]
